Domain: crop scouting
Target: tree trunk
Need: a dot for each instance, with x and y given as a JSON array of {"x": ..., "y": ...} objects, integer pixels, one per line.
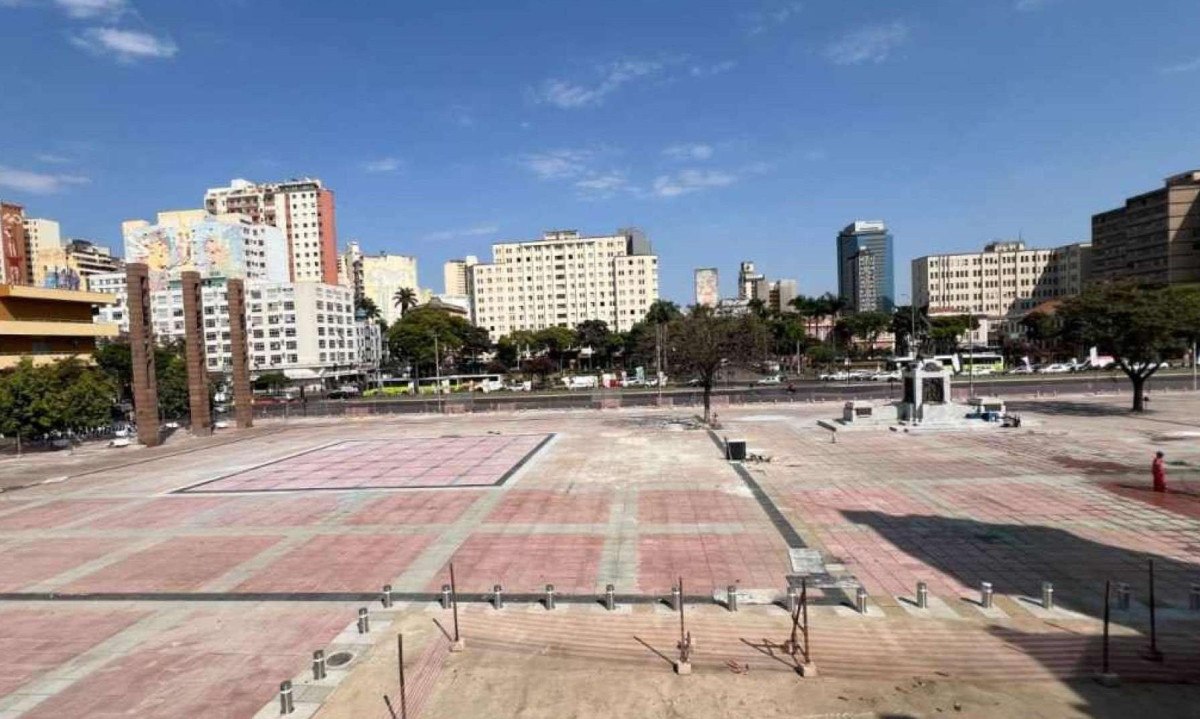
[
  {"x": 1139, "y": 397},
  {"x": 707, "y": 401}
]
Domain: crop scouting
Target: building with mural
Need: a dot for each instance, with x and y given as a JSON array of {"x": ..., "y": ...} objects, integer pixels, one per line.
[{"x": 217, "y": 246}]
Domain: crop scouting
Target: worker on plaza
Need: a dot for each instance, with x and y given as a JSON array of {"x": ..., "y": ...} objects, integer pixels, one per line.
[{"x": 1159, "y": 471}]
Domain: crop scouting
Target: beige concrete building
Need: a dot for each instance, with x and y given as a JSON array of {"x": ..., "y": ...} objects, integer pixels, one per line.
[
  {"x": 455, "y": 276},
  {"x": 1002, "y": 283},
  {"x": 1154, "y": 237},
  {"x": 707, "y": 287},
  {"x": 562, "y": 280},
  {"x": 383, "y": 275}
]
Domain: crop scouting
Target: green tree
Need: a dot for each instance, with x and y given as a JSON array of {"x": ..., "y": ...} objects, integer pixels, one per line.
[
  {"x": 270, "y": 381},
  {"x": 595, "y": 334},
  {"x": 701, "y": 342},
  {"x": 867, "y": 326},
  {"x": 662, "y": 312},
  {"x": 1138, "y": 326},
  {"x": 412, "y": 338},
  {"x": 945, "y": 333},
  {"x": 116, "y": 359},
  {"x": 65, "y": 396},
  {"x": 405, "y": 298},
  {"x": 366, "y": 308}
]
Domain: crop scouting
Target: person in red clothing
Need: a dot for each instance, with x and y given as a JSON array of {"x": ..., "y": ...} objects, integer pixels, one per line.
[{"x": 1159, "y": 472}]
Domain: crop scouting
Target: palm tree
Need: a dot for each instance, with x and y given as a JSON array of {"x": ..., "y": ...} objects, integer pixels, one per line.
[{"x": 405, "y": 298}]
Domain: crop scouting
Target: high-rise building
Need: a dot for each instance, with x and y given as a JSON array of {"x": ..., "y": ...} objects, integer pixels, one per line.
[
  {"x": 752, "y": 285},
  {"x": 1002, "y": 283},
  {"x": 454, "y": 275},
  {"x": 781, "y": 294},
  {"x": 563, "y": 279},
  {"x": 1154, "y": 237},
  {"x": 303, "y": 209},
  {"x": 855, "y": 273},
  {"x": 350, "y": 271},
  {"x": 43, "y": 239},
  {"x": 708, "y": 287},
  {"x": 382, "y": 276},
  {"x": 14, "y": 245}
]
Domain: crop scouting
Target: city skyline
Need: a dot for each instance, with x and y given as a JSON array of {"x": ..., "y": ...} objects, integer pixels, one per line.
[{"x": 535, "y": 144}]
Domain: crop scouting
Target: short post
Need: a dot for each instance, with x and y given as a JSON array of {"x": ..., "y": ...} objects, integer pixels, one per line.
[
  {"x": 683, "y": 667},
  {"x": 498, "y": 597},
  {"x": 985, "y": 595},
  {"x": 549, "y": 600},
  {"x": 286, "y": 706},
  {"x": 860, "y": 600},
  {"x": 1106, "y": 677},
  {"x": 676, "y": 598},
  {"x": 791, "y": 600},
  {"x": 922, "y": 595},
  {"x": 387, "y": 596},
  {"x": 1123, "y": 595},
  {"x": 457, "y": 645},
  {"x": 364, "y": 621},
  {"x": 1194, "y": 598},
  {"x": 318, "y": 666},
  {"x": 1153, "y": 654},
  {"x": 403, "y": 690},
  {"x": 731, "y": 597},
  {"x": 445, "y": 596},
  {"x": 610, "y": 600},
  {"x": 1047, "y": 595}
]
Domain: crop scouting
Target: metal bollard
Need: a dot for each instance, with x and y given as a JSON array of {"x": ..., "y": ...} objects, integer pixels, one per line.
[
  {"x": 731, "y": 597},
  {"x": 610, "y": 601},
  {"x": 387, "y": 595},
  {"x": 285, "y": 698},
  {"x": 498, "y": 597},
  {"x": 985, "y": 595},
  {"x": 445, "y": 596},
  {"x": 676, "y": 598},
  {"x": 318, "y": 665},
  {"x": 549, "y": 597},
  {"x": 1194, "y": 598},
  {"x": 860, "y": 600},
  {"x": 1047, "y": 595},
  {"x": 1123, "y": 596},
  {"x": 922, "y": 595},
  {"x": 364, "y": 621},
  {"x": 791, "y": 600}
]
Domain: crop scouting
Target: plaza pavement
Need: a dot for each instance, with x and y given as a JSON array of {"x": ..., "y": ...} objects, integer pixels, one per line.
[{"x": 579, "y": 500}]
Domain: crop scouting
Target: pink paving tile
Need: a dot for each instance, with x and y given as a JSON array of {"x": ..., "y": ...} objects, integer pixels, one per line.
[
  {"x": 56, "y": 513},
  {"x": 159, "y": 513},
  {"x": 222, "y": 664},
  {"x": 526, "y": 563},
  {"x": 271, "y": 511},
  {"x": 693, "y": 506},
  {"x": 340, "y": 563},
  {"x": 711, "y": 561},
  {"x": 33, "y": 562},
  {"x": 538, "y": 506},
  {"x": 177, "y": 565},
  {"x": 34, "y": 641},
  {"x": 414, "y": 508}
]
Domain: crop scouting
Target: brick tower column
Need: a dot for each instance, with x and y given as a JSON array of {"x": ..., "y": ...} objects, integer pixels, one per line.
[
  {"x": 243, "y": 397},
  {"x": 141, "y": 345},
  {"x": 197, "y": 370}
]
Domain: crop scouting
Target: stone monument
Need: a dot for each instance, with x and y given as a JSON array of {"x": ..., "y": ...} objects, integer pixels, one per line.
[
  {"x": 927, "y": 394},
  {"x": 197, "y": 370},
  {"x": 243, "y": 395},
  {"x": 141, "y": 350}
]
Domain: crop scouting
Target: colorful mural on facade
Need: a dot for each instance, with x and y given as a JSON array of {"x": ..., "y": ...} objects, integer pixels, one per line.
[
  {"x": 213, "y": 248},
  {"x": 12, "y": 245}
]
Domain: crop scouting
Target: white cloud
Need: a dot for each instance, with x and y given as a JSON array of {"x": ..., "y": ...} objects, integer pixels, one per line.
[
  {"x": 689, "y": 151},
  {"x": 383, "y": 164},
  {"x": 37, "y": 183},
  {"x": 604, "y": 184},
  {"x": 872, "y": 44},
  {"x": 85, "y": 9},
  {"x": 687, "y": 181},
  {"x": 1188, "y": 66},
  {"x": 557, "y": 164},
  {"x": 567, "y": 95},
  {"x": 50, "y": 158},
  {"x": 125, "y": 45},
  {"x": 762, "y": 20},
  {"x": 475, "y": 231},
  {"x": 714, "y": 69}
]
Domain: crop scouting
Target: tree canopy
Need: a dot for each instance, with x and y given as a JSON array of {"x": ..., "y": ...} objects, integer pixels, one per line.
[
  {"x": 702, "y": 342},
  {"x": 65, "y": 396},
  {"x": 458, "y": 341}
]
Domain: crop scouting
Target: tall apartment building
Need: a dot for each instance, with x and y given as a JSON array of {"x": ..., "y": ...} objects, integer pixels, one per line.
[
  {"x": 1154, "y": 237},
  {"x": 42, "y": 237},
  {"x": 708, "y": 287},
  {"x": 780, "y": 295},
  {"x": 752, "y": 285},
  {"x": 855, "y": 272},
  {"x": 1002, "y": 283},
  {"x": 116, "y": 312},
  {"x": 73, "y": 263},
  {"x": 303, "y": 209},
  {"x": 383, "y": 275},
  {"x": 350, "y": 272},
  {"x": 562, "y": 280},
  {"x": 14, "y": 245},
  {"x": 455, "y": 280}
]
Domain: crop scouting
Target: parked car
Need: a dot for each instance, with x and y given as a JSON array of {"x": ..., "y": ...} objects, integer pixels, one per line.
[
  {"x": 838, "y": 376},
  {"x": 893, "y": 376},
  {"x": 773, "y": 379},
  {"x": 1056, "y": 368},
  {"x": 1023, "y": 369}
]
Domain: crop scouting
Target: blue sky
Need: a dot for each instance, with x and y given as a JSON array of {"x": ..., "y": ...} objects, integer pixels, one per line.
[{"x": 726, "y": 130}]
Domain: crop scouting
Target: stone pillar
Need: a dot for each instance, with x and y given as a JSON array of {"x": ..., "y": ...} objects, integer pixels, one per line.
[
  {"x": 141, "y": 346},
  {"x": 243, "y": 397},
  {"x": 197, "y": 370}
]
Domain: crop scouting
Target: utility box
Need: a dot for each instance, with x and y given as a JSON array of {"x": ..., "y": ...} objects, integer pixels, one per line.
[{"x": 735, "y": 450}]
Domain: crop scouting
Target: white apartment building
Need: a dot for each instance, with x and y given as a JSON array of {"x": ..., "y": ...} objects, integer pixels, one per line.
[
  {"x": 383, "y": 275},
  {"x": 455, "y": 281},
  {"x": 1002, "y": 283},
  {"x": 303, "y": 209},
  {"x": 112, "y": 283},
  {"x": 562, "y": 280}
]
